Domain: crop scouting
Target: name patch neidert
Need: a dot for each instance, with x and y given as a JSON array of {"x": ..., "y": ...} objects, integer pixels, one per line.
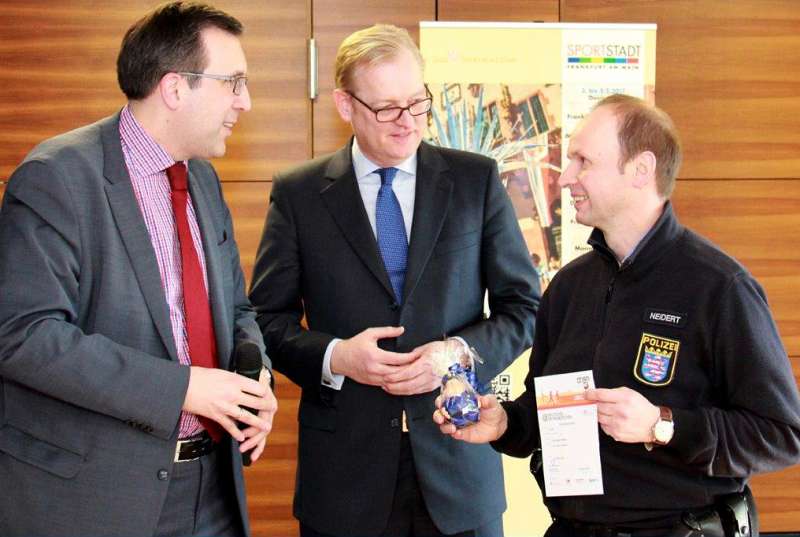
[
  {"x": 667, "y": 318},
  {"x": 656, "y": 360}
]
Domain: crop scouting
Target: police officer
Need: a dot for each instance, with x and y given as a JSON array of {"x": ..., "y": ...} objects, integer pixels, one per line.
[{"x": 695, "y": 391}]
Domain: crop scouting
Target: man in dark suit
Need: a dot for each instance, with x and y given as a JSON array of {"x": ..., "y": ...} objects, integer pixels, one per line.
[
  {"x": 387, "y": 247},
  {"x": 122, "y": 301}
]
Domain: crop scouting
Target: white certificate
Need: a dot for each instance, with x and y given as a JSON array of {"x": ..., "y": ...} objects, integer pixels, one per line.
[{"x": 568, "y": 429}]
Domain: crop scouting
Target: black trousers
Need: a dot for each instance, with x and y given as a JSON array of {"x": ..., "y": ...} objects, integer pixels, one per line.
[{"x": 409, "y": 516}]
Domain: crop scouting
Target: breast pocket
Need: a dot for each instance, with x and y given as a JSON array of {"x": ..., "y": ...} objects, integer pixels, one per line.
[{"x": 454, "y": 243}]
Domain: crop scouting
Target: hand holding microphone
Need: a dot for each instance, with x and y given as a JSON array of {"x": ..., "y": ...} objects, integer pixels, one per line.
[{"x": 249, "y": 364}]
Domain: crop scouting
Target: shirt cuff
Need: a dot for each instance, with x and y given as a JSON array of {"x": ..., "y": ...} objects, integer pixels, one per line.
[{"x": 328, "y": 378}]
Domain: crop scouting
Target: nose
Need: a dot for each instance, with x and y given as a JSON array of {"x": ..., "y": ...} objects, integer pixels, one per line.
[
  {"x": 406, "y": 119},
  {"x": 568, "y": 176},
  {"x": 242, "y": 101}
]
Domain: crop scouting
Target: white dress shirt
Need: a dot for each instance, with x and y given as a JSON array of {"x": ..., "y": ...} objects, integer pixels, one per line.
[{"x": 369, "y": 182}]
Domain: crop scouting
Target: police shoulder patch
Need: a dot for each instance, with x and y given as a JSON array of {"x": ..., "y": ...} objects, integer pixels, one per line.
[{"x": 656, "y": 360}]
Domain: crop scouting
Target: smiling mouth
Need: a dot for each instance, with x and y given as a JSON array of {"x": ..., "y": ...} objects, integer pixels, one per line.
[{"x": 576, "y": 199}]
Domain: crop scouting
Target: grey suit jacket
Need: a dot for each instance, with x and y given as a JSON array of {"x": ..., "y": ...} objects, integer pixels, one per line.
[
  {"x": 319, "y": 259},
  {"x": 90, "y": 385}
]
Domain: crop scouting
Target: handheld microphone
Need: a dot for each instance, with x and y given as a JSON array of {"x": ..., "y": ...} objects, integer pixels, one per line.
[{"x": 248, "y": 364}]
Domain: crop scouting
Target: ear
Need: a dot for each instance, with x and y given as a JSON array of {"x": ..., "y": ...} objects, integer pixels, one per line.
[
  {"x": 644, "y": 169},
  {"x": 171, "y": 88},
  {"x": 344, "y": 104}
]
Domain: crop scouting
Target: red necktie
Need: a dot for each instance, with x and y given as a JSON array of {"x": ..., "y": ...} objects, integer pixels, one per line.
[{"x": 197, "y": 312}]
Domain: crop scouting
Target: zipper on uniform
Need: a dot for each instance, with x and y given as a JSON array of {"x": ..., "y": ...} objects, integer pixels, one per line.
[{"x": 609, "y": 293}]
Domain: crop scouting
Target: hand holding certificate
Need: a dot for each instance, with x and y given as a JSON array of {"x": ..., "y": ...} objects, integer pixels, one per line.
[{"x": 569, "y": 435}]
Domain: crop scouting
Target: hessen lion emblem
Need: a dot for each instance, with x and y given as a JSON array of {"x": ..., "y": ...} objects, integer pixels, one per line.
[{"x": 656, "y": 360}]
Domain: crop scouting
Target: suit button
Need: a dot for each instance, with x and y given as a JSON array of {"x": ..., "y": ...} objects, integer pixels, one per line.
[
  {"x": 395, "y": 422},
  {"x": 163, "y": 475},
  {"x": 394, "y": 306}
]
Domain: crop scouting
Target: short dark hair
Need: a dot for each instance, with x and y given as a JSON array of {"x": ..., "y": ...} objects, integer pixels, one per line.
[
  {"x": 645, "y": 127},
  {"x": 168, "y": 40}
]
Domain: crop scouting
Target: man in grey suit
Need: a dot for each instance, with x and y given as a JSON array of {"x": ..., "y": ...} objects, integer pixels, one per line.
[
  {"x": 122, "y": 301},
  {"x": 336, "y": 251}
]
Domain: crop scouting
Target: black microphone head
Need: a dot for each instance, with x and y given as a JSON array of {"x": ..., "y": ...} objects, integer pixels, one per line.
[{"x": 248, "y": 360}]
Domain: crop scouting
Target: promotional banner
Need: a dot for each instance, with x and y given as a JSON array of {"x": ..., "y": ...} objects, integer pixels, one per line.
[{"x": 515, "y": 92}]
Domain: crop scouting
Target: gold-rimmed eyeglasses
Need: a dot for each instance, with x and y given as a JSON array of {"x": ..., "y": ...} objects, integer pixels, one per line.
[{"x": 237, "y": 82}]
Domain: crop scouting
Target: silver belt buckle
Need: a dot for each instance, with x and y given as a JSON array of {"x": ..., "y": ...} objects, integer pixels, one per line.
[{"x": 178, "y": 452}]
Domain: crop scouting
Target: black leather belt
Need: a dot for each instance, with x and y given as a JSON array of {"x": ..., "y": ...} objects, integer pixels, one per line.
[
  {"x": 193, "y": 448},
  {"x": 581, "y": 529}
]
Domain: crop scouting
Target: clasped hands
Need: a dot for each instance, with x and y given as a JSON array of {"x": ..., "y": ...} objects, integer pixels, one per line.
[
  {"x": 221, "y": 395},
  {"x": 398, "y": 373}
]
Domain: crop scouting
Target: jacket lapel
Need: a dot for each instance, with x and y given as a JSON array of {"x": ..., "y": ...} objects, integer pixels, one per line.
[
  {"x": 133, "y": 232},
  {"x": 214, "y": 268},
  {"x": 343, "y": 200},
  {"x": 431, "y": 204}
]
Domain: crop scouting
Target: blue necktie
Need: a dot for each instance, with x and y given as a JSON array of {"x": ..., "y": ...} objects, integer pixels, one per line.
[{"x": 391, "y": 232}]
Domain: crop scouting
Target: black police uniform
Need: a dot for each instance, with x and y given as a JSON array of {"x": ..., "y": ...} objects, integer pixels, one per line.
[{"x": 689, "y": 328}]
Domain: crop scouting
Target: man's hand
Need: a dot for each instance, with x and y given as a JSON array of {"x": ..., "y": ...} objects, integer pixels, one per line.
[
  {"x": 256, "y": 437},
  {"x": 219, "y": 395},
  {"x": 360, "y": 358},
  {"x": 492, "y": 425},
  {"x": 624, "y": 414},
  {"x": 422, "y": 375}
]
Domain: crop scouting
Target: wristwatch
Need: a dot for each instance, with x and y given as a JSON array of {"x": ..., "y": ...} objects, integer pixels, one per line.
[{"x": 663, "y": 429}]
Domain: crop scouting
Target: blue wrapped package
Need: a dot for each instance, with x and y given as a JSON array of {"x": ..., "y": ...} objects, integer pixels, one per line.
[{"x": 460, "y": 395}]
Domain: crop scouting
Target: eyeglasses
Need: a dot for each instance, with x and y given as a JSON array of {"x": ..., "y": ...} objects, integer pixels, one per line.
[
  {"x": 393, "y": 113},
  {"x": 238, "y": 82}
]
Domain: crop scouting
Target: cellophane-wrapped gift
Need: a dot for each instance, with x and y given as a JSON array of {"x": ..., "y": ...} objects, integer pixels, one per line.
[{"x": 459, "y": 383}]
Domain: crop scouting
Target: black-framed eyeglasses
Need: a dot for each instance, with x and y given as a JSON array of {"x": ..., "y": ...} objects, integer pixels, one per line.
[
  {"x": 393, "y": 113},
  {"x": 237, "y": 82}
]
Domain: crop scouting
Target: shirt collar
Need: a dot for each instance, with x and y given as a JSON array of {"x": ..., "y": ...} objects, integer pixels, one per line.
[
  {"x": 364, "y": 166},
  {"x": 664, "y": 231},
  {"x": 148, "y": 156}
]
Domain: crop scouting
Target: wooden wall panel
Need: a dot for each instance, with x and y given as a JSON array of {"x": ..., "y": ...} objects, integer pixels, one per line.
[
  {"x": 722, "y": 76},
  {"x": 333, "y": 21},
  {"x": 498, "y": 10},
  {"x": 776, "y": 496},
  {"x": 58, "y": 72},
  {"x": 248, "y": 202}
]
